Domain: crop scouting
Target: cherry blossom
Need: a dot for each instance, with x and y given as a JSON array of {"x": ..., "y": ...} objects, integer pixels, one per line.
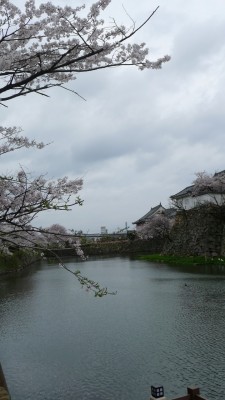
[
  {"x": 158, "y": 226},
  {"x": 209, "y": 183},
  {"x": 10, "y": 140},
  {"x": 49, "y": 45}
]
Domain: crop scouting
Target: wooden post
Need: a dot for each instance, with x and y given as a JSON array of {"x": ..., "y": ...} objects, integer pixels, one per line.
[
  {"x": 193, "y": 391},
  {"x": 195, "y": 394}
]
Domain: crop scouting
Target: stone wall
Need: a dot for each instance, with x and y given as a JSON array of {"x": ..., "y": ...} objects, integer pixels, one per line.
[
  {"x": 200, "y": 231},
  {"x": 120, "y": 247},
  {"x": 123, "y": 247}
]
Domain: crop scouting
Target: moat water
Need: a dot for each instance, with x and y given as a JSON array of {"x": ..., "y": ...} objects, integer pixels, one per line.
[{"x": 166, "y": 326}]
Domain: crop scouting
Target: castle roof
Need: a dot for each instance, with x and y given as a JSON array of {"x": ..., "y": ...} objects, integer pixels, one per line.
[
  {"x": 149, "y": 214},
  {"x": 183, "y": 193}
]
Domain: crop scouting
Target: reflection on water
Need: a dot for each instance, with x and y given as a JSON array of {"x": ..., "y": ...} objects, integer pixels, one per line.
[{"x": 165, "y": 326}]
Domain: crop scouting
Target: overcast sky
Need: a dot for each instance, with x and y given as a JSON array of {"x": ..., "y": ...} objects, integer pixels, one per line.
[{"x": 140, "y": 136}]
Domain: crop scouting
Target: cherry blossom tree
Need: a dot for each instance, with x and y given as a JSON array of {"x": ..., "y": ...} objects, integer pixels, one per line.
[
  {"x": 209, "y": 183},
  {"x": 212, "y": 186},
  {"x": 23, "y": 198},
  {"x": 158, "y": 226},
  {"x": 42, "y": 47}
]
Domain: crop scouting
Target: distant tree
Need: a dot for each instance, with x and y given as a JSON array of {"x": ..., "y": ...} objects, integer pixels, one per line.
[
  {"x": 208, "y": 183},
  {"x": 158, "y": 226}
]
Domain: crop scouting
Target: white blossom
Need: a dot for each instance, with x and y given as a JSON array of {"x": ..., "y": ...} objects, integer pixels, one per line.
[
  {"x": 157, "y": 226},
  {"x": 208, "y": 183},
  {"x": 49, "y": 45}
]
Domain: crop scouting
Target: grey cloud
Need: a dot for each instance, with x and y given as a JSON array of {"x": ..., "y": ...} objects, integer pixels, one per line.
[{"x": 197, "y": 43}]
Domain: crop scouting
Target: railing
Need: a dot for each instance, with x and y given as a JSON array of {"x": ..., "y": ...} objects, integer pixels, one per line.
[
  {"x": 157, "y": 393},
  {"x": 193, "y": 393}
]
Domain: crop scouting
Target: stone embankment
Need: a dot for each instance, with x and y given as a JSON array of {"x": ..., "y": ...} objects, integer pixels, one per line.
[
  {"x": 200, "y": 231},
  {"x": 111, "y": 248}
]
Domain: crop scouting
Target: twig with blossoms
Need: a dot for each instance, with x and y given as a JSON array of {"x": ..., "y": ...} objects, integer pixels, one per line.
[
  {"x": 10, "y": 140},
  {"x": 33, "y": 242},
  {"x": 89, "y": 284}
]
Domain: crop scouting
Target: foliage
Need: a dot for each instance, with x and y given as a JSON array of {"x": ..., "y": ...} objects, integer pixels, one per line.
[
  {"x": 131, "y": 235},
  {"x": 11, "y": 261},
  {"x": 92, "y": 285}
]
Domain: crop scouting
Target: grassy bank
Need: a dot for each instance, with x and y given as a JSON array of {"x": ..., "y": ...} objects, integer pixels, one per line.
[{"x": 184, "y": 260}]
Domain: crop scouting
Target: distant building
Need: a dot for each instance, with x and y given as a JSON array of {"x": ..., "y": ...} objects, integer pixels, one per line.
[
  {"x": 187, "y": 197},
  {"x": 157, "y": 210},
  {"x": 104, "y": 231}
]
